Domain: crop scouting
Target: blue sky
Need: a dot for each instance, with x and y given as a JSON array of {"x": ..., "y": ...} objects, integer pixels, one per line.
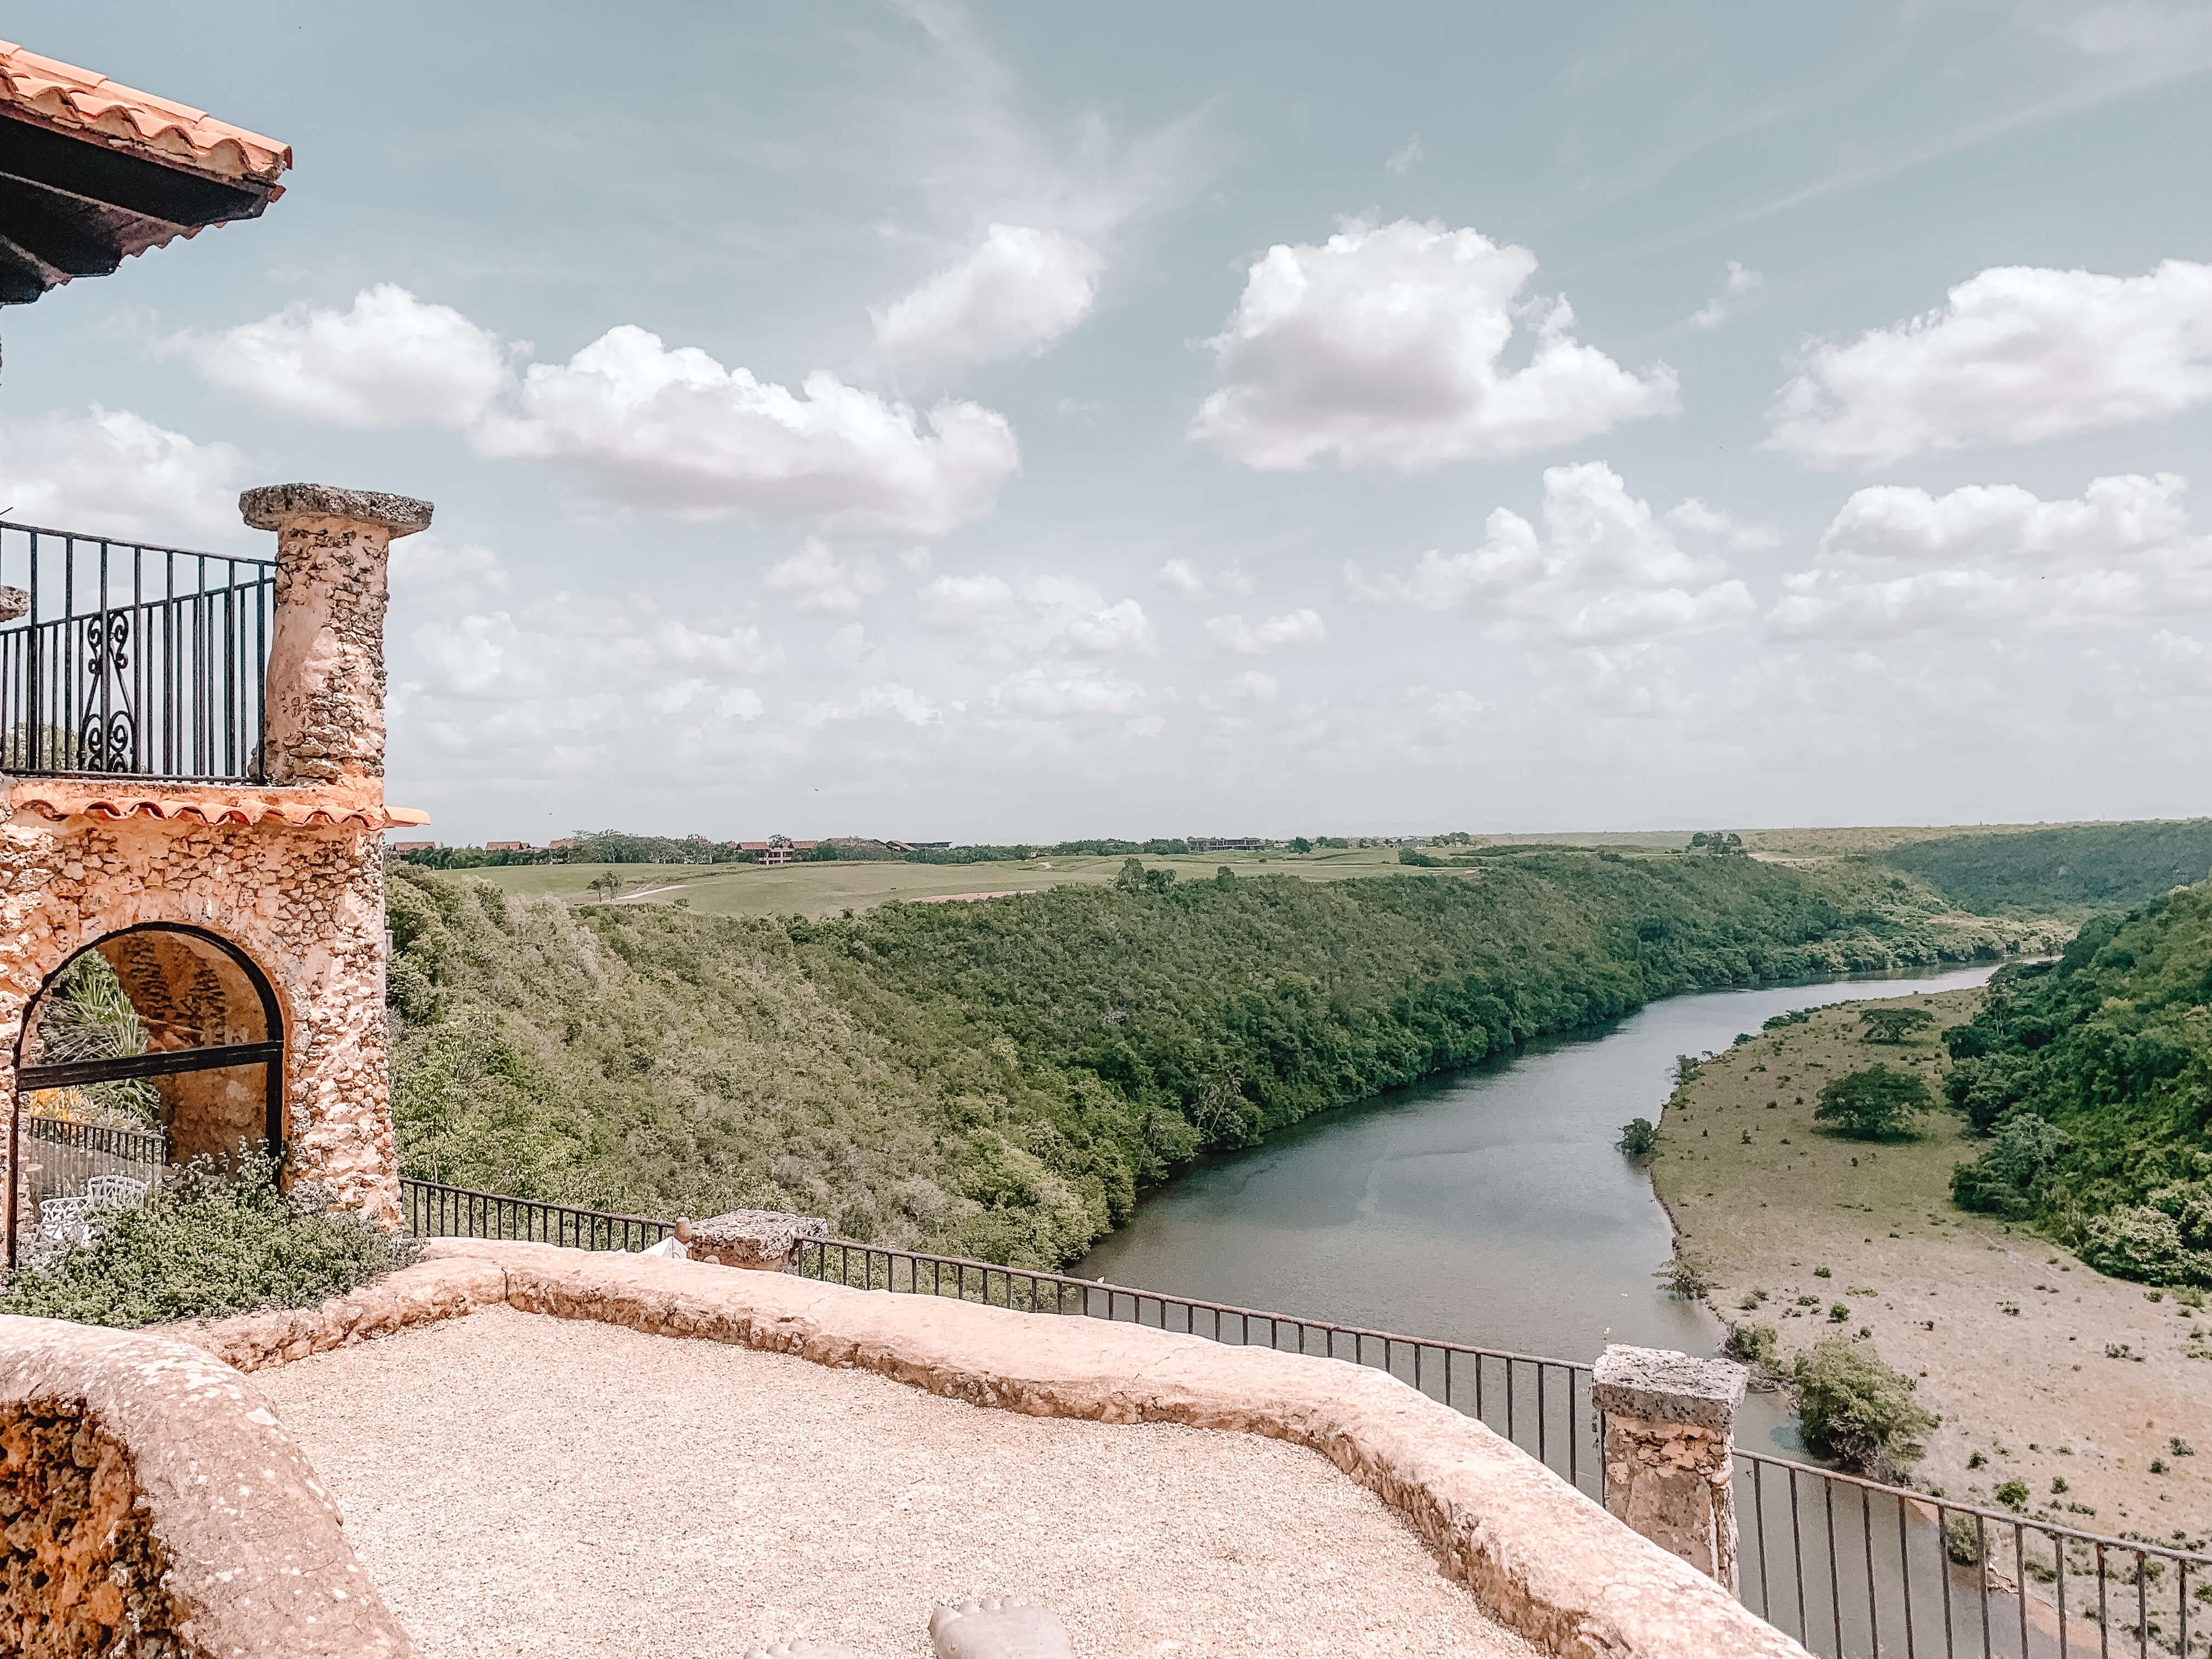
[{"x": 1009, "y": 422}]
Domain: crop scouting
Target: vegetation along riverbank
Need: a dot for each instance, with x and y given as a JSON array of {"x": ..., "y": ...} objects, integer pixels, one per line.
[
  {"x": 2063, "y": 1123},
  {"x": 998, "y": 1079}
]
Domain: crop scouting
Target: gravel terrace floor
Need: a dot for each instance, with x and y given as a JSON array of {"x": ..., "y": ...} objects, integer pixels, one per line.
[{"x": 520, "y": 1484}]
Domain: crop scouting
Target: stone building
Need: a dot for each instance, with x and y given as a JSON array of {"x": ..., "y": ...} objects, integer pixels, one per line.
[{"x": 192, "y": 746}]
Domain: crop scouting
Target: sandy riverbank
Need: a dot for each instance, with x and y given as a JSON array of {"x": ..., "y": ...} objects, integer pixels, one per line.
[{"x": 2050, "y": 1371}]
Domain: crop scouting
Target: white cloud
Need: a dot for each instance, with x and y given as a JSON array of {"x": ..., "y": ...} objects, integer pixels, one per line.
[
  {"x": 967, "y": 602},
  {"x": 675, "y": 430},
  {"x": 2015, "y": 355},
  {"x": 1693, "y": 517},
  {"x": 1050, "y": 691},
  {"x": 1252, "y": 686},
  {"x": 392, "y": 358},
  {"x": 1385, "y": 346},
  {"x": 1018, "y": 292},
  {"x": 1898, "y": 562},
  {"x": 429, "y": 575},
  {"x": 1233, "y": 633},
  {"x": 818, "y": 579},
  {"x": 887, "y": 701},
  {"x": 1735, "y": 282},
  {"x": 1604, "y": 569},
  {"x": 1185, "y": 579},
  {"x": 1122, "y": 627},
  {"x": 117, "y": 473},
  {"x": 1404, "y": 156}
]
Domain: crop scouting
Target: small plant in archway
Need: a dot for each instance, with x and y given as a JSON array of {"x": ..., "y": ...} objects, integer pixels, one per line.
[
  {"x": 211, "y": 1239},
  {"x": 88, "y": 1015}
]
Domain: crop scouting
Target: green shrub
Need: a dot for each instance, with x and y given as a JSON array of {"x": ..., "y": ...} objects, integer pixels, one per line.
[
  {"x": 1875, "y": 1104},
  {"x": 2013, "y": 1494},
  {"x": 205, "y": 1243},
  {"x": 1852, "y": 1407},
  {"x": 2147, "y": 1244},
  {"x": 1756, "y": 1345},
  {"x": 1962, "y": 1539},
  {"x": 1638, "y": 1137}
]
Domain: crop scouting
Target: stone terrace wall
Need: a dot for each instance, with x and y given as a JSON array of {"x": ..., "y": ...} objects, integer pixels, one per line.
[
  {"x": 1543, "y": 1559},
  {"x": 154, "y": 1507}
]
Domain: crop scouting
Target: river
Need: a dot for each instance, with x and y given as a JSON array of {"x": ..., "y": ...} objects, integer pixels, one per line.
[{"x": 1490, "y": 1206}]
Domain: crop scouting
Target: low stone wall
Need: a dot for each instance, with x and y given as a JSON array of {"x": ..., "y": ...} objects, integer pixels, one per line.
[
  {"x": 421, "y": 1295},
  {"x": 1545, "y": 1559},
  {"x": 155, "y": 1507}
]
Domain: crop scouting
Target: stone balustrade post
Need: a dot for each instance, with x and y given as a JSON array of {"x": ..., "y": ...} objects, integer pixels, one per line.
[
  {"x": 1669, "y": 1453},
  {"x": 324, "y": 708}
]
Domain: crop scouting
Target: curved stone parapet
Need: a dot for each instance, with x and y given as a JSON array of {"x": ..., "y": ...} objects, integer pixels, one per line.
[
  {"x": 1542, "y": 1557},
  {"x": 157, "y": 1507}
]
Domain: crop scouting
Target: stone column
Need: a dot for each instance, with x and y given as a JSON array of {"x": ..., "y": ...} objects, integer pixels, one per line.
[
  {"x": 325, "y": 685},
  {"x": 1669, "y": 1451}
]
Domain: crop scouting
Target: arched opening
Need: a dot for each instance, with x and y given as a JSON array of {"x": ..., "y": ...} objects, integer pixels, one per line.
[{"x": 155, "y": 1045}]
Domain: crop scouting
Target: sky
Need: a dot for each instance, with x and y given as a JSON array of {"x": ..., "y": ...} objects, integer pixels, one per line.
[{"x": 1010, "y": 422}]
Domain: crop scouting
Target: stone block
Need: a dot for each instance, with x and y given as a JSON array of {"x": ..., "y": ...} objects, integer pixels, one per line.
[
  {"x": 1670, "y": 1450},
  {"x": 766, "y": 1241},
  {"x": 1664, "y": 1387}
]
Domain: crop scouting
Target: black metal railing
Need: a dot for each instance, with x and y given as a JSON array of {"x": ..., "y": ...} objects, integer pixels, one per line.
[
  {"x": 144, "y": 1146},
  {"x": 125, "y": 657},
  {"x": 435, "y": 1210},
  {"x": 1852, "y": 1568},
  {"x": 1542, "y": 1406}
]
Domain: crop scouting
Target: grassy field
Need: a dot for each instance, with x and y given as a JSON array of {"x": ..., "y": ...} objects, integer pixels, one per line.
[
  {"x": 820, "y": 890},
  {"x": 2047, "y": 1370}
]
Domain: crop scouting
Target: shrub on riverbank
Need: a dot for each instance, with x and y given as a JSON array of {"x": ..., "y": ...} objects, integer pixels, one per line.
[
  {"x": 205, "y": 1243},
  {"x": 1852, "y": 1407}
]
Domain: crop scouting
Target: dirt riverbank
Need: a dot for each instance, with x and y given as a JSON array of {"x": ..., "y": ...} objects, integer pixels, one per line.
[{"x": 2079, "y": 1386}]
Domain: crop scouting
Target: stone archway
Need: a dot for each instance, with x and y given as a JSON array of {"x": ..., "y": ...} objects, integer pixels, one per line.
[
  {"x": 213, "y": 1037},
  {"x": 183, "y": 1021}
]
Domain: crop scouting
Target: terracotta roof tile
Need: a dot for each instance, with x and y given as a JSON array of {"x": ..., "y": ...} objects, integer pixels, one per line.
[
  {"x": 213, "y": 807},
  {"x": 80, "y": 101}
]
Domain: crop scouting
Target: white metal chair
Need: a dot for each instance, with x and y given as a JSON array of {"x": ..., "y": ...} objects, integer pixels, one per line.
[{"x": 114, "y": 1191}]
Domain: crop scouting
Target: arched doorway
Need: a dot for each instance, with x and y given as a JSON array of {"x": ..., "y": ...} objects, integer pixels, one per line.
[{"x": 155, "y": 1045}]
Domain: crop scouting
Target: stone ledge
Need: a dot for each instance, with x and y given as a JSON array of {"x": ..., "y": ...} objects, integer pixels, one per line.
[
  {"x": 1660, "y": 1387},
  {"x": 248, "y": 1545},
  {"x": 421, "y": 1295},
  {"x": 766, "y": 1241},
  {"x": 270, "y": 506},
  {"x": 1543, "y": 1559}
]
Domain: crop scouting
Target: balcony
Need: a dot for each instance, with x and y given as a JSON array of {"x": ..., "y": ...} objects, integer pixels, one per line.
[{"x": 121, "y": 657}]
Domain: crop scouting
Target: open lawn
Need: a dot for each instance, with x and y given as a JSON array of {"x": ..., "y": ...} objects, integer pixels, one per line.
[
  {"x": 820, "y": 889},
  {"x": 2049, "y": 1373}
]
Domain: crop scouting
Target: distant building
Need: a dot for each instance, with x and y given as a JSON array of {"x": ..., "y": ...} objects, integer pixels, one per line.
[
  {"x": 1224, "y": 844},
  {"x": 777, "y": 849},
  {"x": 396, "y": 847},
  {"x": 507, "y": 846}
]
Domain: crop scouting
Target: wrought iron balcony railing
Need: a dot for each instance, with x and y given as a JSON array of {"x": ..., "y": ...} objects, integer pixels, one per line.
[{"x": 119, "y": 657}]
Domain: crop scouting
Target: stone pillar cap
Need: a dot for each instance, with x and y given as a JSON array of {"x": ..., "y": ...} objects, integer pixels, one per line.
[
  {"x": 268, "y": 507},
  {"x": 1663, "y": 1386}
]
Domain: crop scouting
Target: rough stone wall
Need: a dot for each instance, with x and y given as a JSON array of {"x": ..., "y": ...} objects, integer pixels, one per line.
[
  {"x": 81, "y": 1570},
  {"x": 1671, "y": 1482},
  {"x": 151, "y": 1481},
  {"x": 305, "y": 902},
  {"x": 325, "y": 705}
]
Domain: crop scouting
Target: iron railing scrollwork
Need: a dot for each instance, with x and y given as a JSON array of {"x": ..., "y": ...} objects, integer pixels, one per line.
[
  {"x": 1854, "y": 1569},
  {"x": 128, "y": 658}
]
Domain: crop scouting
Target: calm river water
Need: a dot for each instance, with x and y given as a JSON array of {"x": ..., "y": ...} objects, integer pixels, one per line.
[{"x": 1489, "y": 1207}]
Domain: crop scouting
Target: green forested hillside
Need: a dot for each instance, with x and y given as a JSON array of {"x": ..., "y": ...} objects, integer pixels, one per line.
[
  {"x": 2051, "y": 872},
  {"x": 998, "y": 1079},
  {"x": 2093, "y": 1077}
]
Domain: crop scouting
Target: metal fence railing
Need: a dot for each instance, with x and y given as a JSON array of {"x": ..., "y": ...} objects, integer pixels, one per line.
[
  {"x": 123, "y": 657},
  {"x": 1852, "y": 1568},
  {"x": 435, "y": 1210},
  {"x": 58, "y": 1158}
]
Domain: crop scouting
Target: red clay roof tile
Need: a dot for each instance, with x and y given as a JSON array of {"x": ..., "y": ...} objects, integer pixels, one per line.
[{"x": 81, "y": 101}]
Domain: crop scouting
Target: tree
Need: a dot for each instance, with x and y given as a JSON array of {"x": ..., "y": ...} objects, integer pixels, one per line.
[
  {"x": 1300, "y": 844},
  {"x": 1893, "y": 1025},
  {"x": 1875, "y": 1104},
  {"x": 1131, "y": 877},
  {"x": 1852, "y": 1407},
  {"x": 1638, "y": 1137}
]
